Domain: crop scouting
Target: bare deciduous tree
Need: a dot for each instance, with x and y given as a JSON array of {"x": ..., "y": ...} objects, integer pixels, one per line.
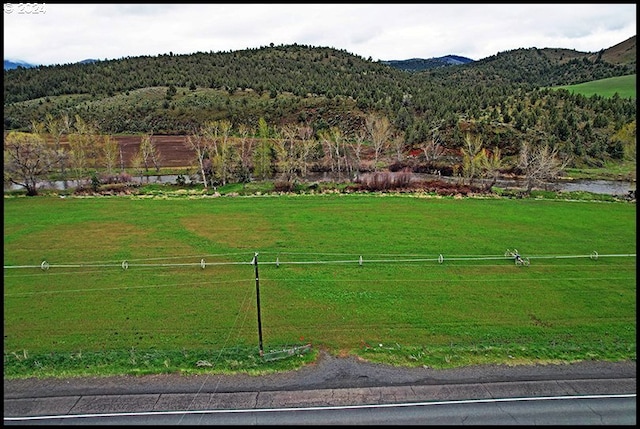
[
  {"x": 87, "y": 137},
  {"x": 262, "y": 155},
  {"x": 245, "y": 150},
  {"x": 397, "y": 141},
  {"x": 333, "y": 143},
  {"x": 288, "y": 153},
  {"x": 198, "y": 144},
  {"x": 27, "y": 159},
  {"x": 305, "y": 135},
  {"x": 137, "y": 163},
  {"x": 432, "y": 149},
  {"x": 38, "y": 128},
  {"x": 78, "y": 154},
  {"x": 324, "y": 137},
  {"x": 539, "y": 164},
  {"x": 218, "y": 134},
  {"x": 357, "y": 144},
  {"x": 57, "y": 127},
  {"x": 491, "y": 164},
  {"x": 83, "y": 147},
  {"x": 146, "y": 151},
  {"x": 109, "y": 152},
  {"x": 472, "y": 157},
  {"x": 379, "y": 130},
  {"x": 156, "y": 158}
]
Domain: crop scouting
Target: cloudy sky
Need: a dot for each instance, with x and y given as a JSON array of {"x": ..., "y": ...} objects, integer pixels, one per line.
[{"x": 67, "y": 33}]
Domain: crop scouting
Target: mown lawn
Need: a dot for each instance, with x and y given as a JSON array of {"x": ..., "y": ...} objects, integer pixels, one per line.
[{"x": 433, "y": 287}]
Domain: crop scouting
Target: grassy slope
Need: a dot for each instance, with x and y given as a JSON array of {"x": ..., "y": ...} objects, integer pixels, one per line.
[
  {"x": 98, "y": 318},
  {"x": 624, "y": 86}
]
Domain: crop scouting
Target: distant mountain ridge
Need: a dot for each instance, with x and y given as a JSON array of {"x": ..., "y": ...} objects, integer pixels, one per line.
[
  {"x": 413, "y": 64},
  {"x": 619, "y": 53},
  {"x": 419, "y": 64},
  {"x": 10, "y": 65}
]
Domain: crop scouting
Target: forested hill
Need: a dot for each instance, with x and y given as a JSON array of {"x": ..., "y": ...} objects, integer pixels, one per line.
[
  {"x": 419, "y": 64},
  {"x": 298, "y": 69},
  {"x": 500, "y": 97}
]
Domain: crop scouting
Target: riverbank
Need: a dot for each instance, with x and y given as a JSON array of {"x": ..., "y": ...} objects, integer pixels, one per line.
[{"x": 326, "y": 181}]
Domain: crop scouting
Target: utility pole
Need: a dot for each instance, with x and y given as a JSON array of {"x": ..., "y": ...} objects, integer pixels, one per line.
[{"x": 255, "y": 264}]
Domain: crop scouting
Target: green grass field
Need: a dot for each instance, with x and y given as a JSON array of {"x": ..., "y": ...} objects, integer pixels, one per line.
[
  {"x": 624, "y": 86},
  {"x": 86, "y": 314}
]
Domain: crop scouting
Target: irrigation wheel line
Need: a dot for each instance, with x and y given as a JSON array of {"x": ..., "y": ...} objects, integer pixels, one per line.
[
  {"x": 593, "y": 256},
  {"x": 125, "y": 265}
]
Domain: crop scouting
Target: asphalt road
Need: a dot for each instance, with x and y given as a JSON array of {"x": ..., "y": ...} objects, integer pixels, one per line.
[{"x": 329, "y": 382}]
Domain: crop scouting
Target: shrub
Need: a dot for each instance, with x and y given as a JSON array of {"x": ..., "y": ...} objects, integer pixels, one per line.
[
  {"x": 283, "y": 186},
  {"x": 385, "y": 180},
  {"x": 122, "y": 177},
  {"x": 95, "y": 182}
]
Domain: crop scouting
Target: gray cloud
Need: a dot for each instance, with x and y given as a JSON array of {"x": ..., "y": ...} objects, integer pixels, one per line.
[{"x": 69, "y": 33}]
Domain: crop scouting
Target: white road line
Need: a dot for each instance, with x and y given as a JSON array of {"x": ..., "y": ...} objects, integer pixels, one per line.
[{"x": 336, "y": 407}]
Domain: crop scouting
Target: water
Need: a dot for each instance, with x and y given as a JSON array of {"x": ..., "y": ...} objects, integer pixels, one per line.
[
  {"x": 61, "y": 185},
  {"x": 609, "y": 187}
]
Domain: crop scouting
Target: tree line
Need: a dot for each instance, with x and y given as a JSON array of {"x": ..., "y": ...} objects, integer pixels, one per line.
[{"x": 225, "y": 154}]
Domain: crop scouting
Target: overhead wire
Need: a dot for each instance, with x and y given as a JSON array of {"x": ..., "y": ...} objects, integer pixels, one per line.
[{"x": 125, "y": 264}]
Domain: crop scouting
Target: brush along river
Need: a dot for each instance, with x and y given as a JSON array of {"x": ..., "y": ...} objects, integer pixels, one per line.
[{"x": 607, "y": 187}]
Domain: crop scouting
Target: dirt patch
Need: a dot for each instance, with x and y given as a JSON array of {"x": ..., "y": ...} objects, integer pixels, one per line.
[
  {"x": 236, "y": 230},
  {"x": 81, "y": 238}
]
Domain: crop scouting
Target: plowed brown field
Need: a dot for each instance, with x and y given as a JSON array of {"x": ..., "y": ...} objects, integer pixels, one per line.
[{"x": 172, "y": 150}]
